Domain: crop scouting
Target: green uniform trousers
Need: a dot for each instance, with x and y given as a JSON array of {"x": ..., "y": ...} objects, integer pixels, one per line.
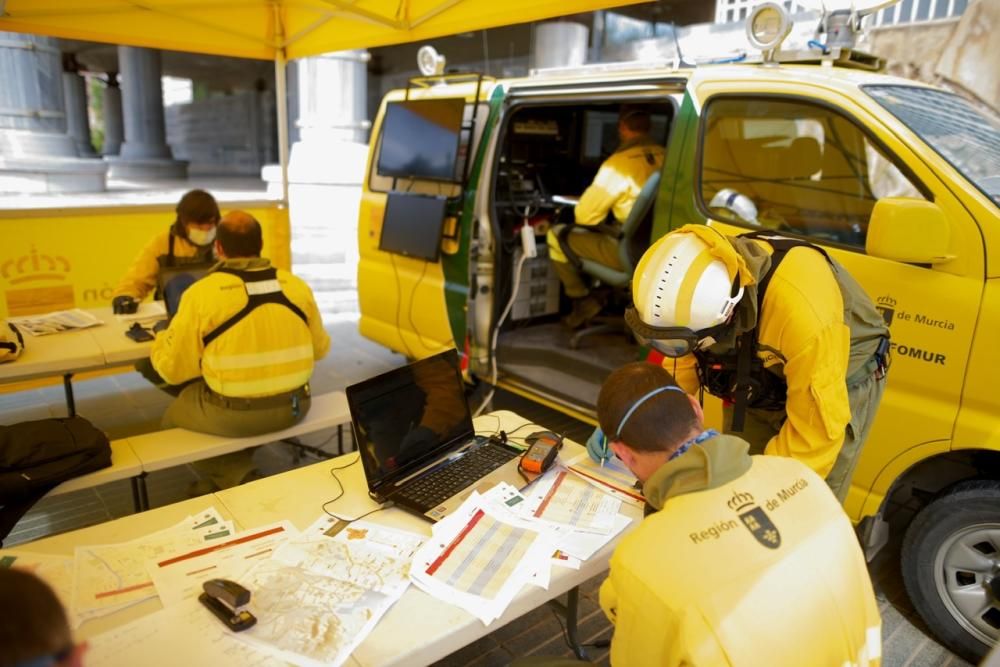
[{"x": 194, "y": 410}]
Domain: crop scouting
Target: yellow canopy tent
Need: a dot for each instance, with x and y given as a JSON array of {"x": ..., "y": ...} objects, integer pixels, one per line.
[{"x": 273, "y": 29}]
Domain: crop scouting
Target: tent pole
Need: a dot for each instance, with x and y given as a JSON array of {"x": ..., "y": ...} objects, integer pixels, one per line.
[{"x": 281, "y": 104}]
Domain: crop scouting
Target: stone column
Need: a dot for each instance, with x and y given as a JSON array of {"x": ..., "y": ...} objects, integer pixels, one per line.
[
  {"x": 36, "y": 154},
  {"x": 559, "y": 44},
  {"x": 114, "y": 130},
  {"x": 75, "y": 96},
  {"x": 144, "y": 153},
  {"x": 325, "y": 172}
]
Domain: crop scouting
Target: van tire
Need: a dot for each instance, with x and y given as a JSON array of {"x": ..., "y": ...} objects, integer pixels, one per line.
[{"x": 960, "y": 529}]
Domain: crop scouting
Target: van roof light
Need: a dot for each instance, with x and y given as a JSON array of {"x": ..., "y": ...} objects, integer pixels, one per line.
[
  {"x": 429, "y": 61},
  {"x": 767, "y": 27}
]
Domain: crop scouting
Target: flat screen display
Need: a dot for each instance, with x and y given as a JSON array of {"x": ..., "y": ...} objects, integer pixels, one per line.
[
  {"x": 420, "y": 139},
  {"x": 408, "y": 415},
  {"x": 412, "y": 225}
]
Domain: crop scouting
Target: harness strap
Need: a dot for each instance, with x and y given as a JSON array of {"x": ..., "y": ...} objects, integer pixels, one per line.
[
  {"x": 262, "y": 287},
  {"x": 747, "y": 345},
  {"x": 170, "y": 248}
]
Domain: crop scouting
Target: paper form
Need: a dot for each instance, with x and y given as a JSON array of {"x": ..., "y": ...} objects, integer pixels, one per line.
[
  {"x": 565, "y": 499},
  {"x": 109, "y": 577},
  {"x": 180, "y": 576},
  {"x": 614, "y": 478},
  {"x": 184, "y": 634},
  {"x": 573, "y": 546},
  {"x": 479, "y": 558}
]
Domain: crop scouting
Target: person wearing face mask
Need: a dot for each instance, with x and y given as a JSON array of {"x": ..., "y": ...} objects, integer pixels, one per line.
[
  {"x": 187, "y": 243},
  {"x": 740, "y": 559}
]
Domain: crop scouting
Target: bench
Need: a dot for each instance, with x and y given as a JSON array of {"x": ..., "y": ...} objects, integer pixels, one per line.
[
  {"x": 176, "y": 446},
  {"x": 124, "y": 465},
  {"x": 136, "y": 456}
]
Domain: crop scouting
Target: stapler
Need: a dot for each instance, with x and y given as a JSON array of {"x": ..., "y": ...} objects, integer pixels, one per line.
[{"x": 226, "y": 600}]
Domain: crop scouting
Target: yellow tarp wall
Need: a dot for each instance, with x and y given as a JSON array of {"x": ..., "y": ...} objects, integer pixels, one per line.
[{"x": 53, "y": 259}]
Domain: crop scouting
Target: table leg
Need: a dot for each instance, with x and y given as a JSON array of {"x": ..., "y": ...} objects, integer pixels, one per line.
[
  {"x": 570, "y": 611},
  {"x": 340, "y": 439},
  {"x": 140, "y": 492},
  {"x": 136, "y": 499},
  {"x": 68, "y": 388}
]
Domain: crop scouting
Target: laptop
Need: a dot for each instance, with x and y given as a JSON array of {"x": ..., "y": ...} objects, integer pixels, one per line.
[
  {"x": 413, "y": 428},
  {"x": 189, "y": 272}
]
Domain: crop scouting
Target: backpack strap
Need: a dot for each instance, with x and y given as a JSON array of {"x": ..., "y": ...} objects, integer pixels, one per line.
[
  {"x": 170, "y": 247},
  {"x": 747, "y": 347},
  {"x": 262, "y": 287}
]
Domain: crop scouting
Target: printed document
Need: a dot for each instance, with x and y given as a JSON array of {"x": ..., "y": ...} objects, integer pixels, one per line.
[
  {"x": 478, "y": 558},
  {"x": 325, "y": 590},
  {"x": 50, "y": 323},
  {"x": 109, "y": 577}
]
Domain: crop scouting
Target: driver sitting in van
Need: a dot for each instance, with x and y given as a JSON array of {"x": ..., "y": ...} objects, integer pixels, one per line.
[{"x": 614, "y": 189}]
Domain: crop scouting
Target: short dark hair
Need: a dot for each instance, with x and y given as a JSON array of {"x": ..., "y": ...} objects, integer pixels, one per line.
[
  {"x": 35, "y": 624},
  {"x": 635, "y": 118},
  {"x": 240, "y": 235},
  {"x": 197, "y": 206},
  {"x": 662, "y": 423}
]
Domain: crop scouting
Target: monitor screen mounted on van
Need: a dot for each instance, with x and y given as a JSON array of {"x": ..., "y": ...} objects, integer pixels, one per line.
[
  {"x": 420, "y": 139},
  {"x": 412, "y": 225}
]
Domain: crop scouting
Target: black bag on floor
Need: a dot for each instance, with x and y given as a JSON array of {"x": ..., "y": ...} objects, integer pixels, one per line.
[{"x": 37, "y": 456}]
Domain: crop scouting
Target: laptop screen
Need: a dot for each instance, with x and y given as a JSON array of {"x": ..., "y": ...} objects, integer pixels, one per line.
[
  {"x": 406, "y": 417},
  {"x": 173, "y": 280}
]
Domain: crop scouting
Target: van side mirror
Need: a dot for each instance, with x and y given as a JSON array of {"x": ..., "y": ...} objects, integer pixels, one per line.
[{"x": 908, "y": 230}]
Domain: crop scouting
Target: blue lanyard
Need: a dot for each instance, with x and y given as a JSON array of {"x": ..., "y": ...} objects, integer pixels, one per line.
[{"x": 697, "y": 440}]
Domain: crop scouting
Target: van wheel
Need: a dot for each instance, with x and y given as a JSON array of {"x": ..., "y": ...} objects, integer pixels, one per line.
[{"x": 951, "y": 566}]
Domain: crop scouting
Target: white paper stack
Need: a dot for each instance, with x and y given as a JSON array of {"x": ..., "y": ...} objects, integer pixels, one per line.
[{"x": 480, "y": 556}]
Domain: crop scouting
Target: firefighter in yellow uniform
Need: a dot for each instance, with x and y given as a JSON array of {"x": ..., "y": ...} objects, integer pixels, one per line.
[
  {"x": 188, "y": 242},
  {"x": 243, "y": 344},
  {"x": 775, "y": 327},
  {"x": 741, "y": 560},
  {"x": 614, "y": 190}
]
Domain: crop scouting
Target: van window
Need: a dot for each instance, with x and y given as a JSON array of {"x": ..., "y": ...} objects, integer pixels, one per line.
[
  {"x": 967, "y": 137},
  {"x": 807, "y": 169}
]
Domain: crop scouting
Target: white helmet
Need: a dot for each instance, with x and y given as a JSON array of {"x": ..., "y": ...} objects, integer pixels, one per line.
[
  {"x": 739, "y": 204},
  {"x": 680, "y": 290}
]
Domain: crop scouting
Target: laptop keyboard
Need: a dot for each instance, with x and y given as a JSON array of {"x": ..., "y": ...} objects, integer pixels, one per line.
[{"x": 436, "y": 487}]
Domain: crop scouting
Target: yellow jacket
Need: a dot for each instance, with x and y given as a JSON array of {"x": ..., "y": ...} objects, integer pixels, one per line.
[
  {"x": 140, "y": 279},
  {"x": 618, "y": 182},
  {"x": 269, "y": 352},
  {"x": 749, "y": 561},
  {"x": 802, "y": 332}
]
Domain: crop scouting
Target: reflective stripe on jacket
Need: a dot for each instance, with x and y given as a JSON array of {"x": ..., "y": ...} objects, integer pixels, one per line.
[
  {"x": 140, "y": 279},
  {"x": 618, "y": 182},
  {"x": 268, "y": 352},
  {"x": 760, "y": 568}
]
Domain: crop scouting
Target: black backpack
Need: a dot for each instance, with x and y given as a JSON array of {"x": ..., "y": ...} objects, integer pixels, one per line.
[{"x": 37, "y": 456}]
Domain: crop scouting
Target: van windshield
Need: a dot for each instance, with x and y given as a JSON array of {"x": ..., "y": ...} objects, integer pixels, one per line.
[{"x": 963, "y": 135}]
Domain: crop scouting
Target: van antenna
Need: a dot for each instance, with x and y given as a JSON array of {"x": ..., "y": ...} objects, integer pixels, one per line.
[{"x": 677, "y": 43}]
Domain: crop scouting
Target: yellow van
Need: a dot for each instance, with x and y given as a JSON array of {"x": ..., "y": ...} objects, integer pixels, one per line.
[{"x": 897, "y": 180}]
